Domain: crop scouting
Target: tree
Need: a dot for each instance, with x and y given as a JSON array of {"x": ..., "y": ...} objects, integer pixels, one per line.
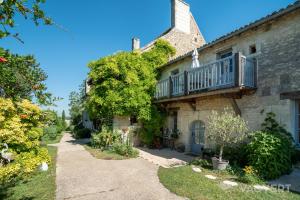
[
  {"x": 63, "y": 118},
  {"x": 124, "y": 83},
  {"x": 225, "y": 128},
  {"x": 76, "y": 104},
  {"x": 28, "y": 9},
  {"x": 22, "y": 78}
]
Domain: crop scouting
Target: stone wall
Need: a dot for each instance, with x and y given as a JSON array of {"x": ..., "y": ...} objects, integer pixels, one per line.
[{"x": 278, "y": 56}]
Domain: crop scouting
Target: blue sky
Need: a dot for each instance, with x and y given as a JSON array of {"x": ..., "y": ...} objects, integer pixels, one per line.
[{"x": 96, "y": 28}]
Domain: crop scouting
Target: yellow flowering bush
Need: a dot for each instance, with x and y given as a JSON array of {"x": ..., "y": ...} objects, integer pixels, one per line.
[
  {"x": 21, "y": 127},
  {"x": 249, "y": 170}
]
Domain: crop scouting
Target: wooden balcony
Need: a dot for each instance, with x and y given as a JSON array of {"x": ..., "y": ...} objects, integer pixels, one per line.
[{"x": 232, "y": 75}]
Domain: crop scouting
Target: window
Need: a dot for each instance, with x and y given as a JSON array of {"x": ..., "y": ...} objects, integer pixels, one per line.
[
  {"x": 252, "y": 49},
  {"x": 225, "y": 54},
  {"x": 174, "y": 72},
  {"x": 298, "y": 121}
]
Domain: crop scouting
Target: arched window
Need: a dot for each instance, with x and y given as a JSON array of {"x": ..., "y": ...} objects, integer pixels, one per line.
[{"x": 198, "y": 132}]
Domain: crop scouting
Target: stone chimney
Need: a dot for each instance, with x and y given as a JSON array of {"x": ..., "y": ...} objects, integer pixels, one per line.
[
  {"x": 136, "y": 44},
  {"x": 181, "y": 16}
]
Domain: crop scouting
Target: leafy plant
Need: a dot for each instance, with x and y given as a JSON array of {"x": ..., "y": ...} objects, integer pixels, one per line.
[
  {"x": 22, "y": 78},
  {"x": 226, "y": 129},
  {"x": 269, "y": 154},
  {"x": 124, "y": 83},
  {"x": 11, "y": 8},
  {"x": 51, "y": 132},
  {"x": 105, "y": 139},
  {"x": 270, "y": 150},
  {"x": 21, "y": 126},
  {"x": 202, "y": 162},
  {"x": 151, "y": 128},
  {"x": 249, "y": 176},
  {"x": 124, "y": 149},
  {"x": 83, "y": 133}
]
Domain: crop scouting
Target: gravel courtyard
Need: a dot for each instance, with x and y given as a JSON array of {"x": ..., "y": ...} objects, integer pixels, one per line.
[{"x": 81, "y": 176}]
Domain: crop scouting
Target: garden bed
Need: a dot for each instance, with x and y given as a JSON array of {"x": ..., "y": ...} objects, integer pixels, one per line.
[
  {"x": 185, "y": 182},
  {"x": 39, "y": 186},
  {"x": 106, "y": 154}
]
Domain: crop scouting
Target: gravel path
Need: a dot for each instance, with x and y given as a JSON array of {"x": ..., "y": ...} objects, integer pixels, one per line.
[{"x": 81, "y": 176}]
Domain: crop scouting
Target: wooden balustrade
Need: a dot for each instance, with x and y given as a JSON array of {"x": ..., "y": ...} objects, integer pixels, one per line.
[{"x": 233, "y": 71}]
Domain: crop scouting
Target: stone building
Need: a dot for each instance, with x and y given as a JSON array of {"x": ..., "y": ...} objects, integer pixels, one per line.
[
  {"x": 184, "y": 35},
  {"x": 252, "y": 70}
]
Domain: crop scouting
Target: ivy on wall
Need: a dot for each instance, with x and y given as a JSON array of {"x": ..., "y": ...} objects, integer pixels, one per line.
[{"x": 124, "y": 83}]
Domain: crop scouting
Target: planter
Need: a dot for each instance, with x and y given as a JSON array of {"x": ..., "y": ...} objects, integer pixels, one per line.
[{"x": 219, "y": 165}]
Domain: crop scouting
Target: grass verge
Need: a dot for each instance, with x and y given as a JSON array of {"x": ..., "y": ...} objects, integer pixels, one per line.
[
  {"x": 47, "y": 140},
  {"x": 105, "y": 155},
  {"x": 185, "y": 182},
  {"x": 39, "y": 186}
]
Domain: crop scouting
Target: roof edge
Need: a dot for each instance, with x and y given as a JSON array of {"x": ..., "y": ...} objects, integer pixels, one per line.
[{"x": 259, "y": 22}]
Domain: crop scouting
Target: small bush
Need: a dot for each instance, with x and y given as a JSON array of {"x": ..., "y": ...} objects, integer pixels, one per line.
[
  {"x": 124, "y": 150},
  {"x": 202, "y": 162},
  {"x": 236, "y": 154},
  {"x": 105, "y": 139},
  {"x": 249, "y": 176},
  {"x": 270, "y": 150},
  {"x": 51, "y": 132},
  {"x": 296, "y": 156},
  {"x": 83, "y": 133},
  {"x": 269, "y": 154}
]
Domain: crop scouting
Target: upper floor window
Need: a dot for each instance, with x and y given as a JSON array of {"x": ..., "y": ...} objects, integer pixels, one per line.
[
  {"x": 224, "y": 54},
  {"x": 252, "y": 49},
  {"x": 174, "y": 72}
]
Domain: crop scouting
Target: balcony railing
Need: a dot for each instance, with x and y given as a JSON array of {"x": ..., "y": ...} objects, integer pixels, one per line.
[{"x": 233, "y": 71}]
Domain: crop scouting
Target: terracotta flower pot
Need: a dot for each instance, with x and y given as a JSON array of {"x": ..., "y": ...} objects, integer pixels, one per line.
[{"x": 219, "y": 165}]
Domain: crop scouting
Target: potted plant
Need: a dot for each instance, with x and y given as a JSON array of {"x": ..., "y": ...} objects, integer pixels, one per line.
[
  {"x": 225, "y": 129},
  {"x": 175, "y": 134}
]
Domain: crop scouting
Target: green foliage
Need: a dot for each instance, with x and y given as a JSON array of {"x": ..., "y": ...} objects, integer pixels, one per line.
[
  {"x": 236, "y": 154},
  {"x": 11, "y": 8},
  {"x": 124, "y": 149},
  {"x": 105, "y": 139},
  {"x": 76, "y": 105},
  {"x": 269, "y": 154},
  {"x": 296, "y": 156},
  {"x": 83, "y": 133},
  {"x": 151, "y": 128},
  {"x": 250, "y": 176},
  {"x": 51, "y": 132},
  {"x": 202, "y": 162},
  {"x": 41, "y": 185},
  {"x": 124, "y": 83},
  {"x": 21, "y": 128},
  {"x": 270, "y": 150},
  {"x": 226, "y": 129},
  {"x": 63, "y": 119},
  {"x": 22, "y": 78},
  {"x": 54, "y": 127}
]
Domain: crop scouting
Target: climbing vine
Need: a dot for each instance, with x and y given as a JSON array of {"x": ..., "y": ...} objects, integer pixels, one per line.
[{"x": 124, "y": 83}]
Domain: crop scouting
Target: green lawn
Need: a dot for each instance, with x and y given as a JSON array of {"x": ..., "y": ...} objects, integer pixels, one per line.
[
  {"x": 187, "y": 183},
  {"x": 40, "y": 186},
  {"x": 104, "y": 155}
]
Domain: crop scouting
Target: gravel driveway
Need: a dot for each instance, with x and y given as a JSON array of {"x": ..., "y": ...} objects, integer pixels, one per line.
[{"x": 81, "y": 176}]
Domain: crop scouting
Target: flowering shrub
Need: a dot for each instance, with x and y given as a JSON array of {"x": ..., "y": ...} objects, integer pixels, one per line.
[{"x": 21, "y": 126}]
